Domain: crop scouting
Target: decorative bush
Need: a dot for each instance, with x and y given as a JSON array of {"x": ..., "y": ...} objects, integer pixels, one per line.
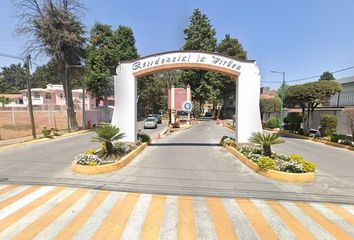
[
  {"x": 294, "y": 163},
  {"x": 266, "y": 140},
  {"x": 123, "y": 148},
  {"x": 46, "y": 132},
  {"x": 230, "y": 142},
  {"x": 106, "y": 135},
  {"x": 293, "y": 120},
  {"x": 90, "y": 151},
  {"x": 328, "y": 124},
  {"x": 142, "y": 137},
  {"x": 55, "y": 131},
  {"x": 85, "y": 159},
  {"x": 272, "y": 122},
  {"x": 335, "y": 137},
  {"x": 266, "y": 163}
]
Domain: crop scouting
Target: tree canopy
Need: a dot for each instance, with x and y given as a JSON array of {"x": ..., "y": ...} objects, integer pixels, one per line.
[
  {"x": 54, "y": 28},
  {"x": 327, "y": 76},
  {"x": 12, "y": 78},
  {"x": 105, "y": 50},
  {"x": 309, "y": 96}
]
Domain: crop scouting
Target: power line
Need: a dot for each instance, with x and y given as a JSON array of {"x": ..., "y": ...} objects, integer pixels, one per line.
[
  {"x": 317, "y": 76},
  {"x": 16, "y": 57}
]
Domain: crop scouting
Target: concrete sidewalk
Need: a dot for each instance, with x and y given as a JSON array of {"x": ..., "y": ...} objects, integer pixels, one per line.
[{"x": 48, "y": 212}]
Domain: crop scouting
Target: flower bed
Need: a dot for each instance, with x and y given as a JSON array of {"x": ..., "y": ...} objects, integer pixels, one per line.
[
  {"x": 112, "y": 154},
  {"x": 292, "y": 168},
  {"x": 88, "y": 165}
]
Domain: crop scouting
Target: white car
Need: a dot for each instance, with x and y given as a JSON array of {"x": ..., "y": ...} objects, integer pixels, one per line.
[{"x": 150, "y": 122}]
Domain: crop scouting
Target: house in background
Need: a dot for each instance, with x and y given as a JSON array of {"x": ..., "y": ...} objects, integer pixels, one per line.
[
  {"x": 54, "y": 96},
  {"x": 15, "y": 99}
]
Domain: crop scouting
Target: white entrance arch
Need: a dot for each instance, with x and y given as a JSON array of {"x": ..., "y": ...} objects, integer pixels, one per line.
[{"x": 246, "y": 73}]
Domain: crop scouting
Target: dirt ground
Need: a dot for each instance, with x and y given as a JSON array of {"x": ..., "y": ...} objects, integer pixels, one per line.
[{"x": 15, "y": 125}]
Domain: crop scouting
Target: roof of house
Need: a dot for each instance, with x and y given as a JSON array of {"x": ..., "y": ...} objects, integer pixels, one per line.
[
  {"x": 346, "y": 80},
  {"x": 11, "y": 95}
]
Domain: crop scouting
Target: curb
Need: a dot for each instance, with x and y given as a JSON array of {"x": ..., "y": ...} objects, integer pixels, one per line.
[
  {"x": 42, "y": 139},
  {"x": 333, "y": 144},
  {"x": 90, "y": 170},
  {"x": 277, "y": 175}
]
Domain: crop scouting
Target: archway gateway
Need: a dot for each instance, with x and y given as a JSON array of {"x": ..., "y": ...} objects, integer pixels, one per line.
[{"x": 245, "y": 72}]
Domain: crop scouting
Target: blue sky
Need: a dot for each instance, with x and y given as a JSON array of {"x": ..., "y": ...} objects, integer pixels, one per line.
[{"x": 302, "y": 38}]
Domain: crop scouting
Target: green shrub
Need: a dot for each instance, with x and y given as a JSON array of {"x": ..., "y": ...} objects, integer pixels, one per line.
[
  {"x": 90, "y": 151},
  {"x": 266, "y": 163},
  {"x": 328, "y": 124},
  {"x": 296, "y": 157},
  {"x": 272, "y": 122},
  {"x": 143, "y": 137},
  {"x": 294, "y": 120},
  {"x": 92, "y": 163},
  {"x": 55, "y": 131},
  {"x": 230, "y": 142},
  {"x": 46, "y": 132},
  {"x": 335, "y": 137},
  {"x": 306, "y": 165}
]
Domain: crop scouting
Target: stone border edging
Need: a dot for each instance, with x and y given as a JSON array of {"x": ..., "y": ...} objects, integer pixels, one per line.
[
  {"x": 282, "y": 176},
  {"x": 333, "y": 144},
  {"x": 89, "y": 170}
]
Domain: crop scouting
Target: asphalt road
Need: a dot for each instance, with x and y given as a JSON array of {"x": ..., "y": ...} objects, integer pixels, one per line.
[{"x": 189, "y": 162}]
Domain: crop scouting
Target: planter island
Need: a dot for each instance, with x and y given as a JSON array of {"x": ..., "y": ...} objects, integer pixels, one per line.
[{"x": 292, "y": 168}]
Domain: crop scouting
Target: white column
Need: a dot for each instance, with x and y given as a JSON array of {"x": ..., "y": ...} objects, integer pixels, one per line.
[
  {"x": 248, "y": 119},
  {"x": 124, "y": 115},
  {"x": 172, "y": 103}
]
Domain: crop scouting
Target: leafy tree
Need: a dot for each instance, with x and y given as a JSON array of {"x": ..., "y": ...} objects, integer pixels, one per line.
[
  {"x": 266, "y": 140},
  {"x": 54, "y": 28},
  {"x": 4, "y": 100},
  {"x": 327, "y": 76},
  {"x": 231, "y": 47},
  {"x": 199, "y": 35},
  {"x": 12, "y": 78},
  {"x": 152, "y": 92},
  {"x": 269, "y": 105},
  {"x": 349, "y": 114},
  {"x": 105, "y": 50},
  {"x": 45, "y": 74},
  {"x": 309, "y": 95}
]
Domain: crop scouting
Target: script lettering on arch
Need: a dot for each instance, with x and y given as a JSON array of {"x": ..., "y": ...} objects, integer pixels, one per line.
[{"x": 187, "y": 59}]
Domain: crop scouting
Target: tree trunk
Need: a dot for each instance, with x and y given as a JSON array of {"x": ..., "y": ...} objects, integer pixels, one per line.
[
  {"x": 109, "y": 148},
  {"x": 267, "y": 150}
]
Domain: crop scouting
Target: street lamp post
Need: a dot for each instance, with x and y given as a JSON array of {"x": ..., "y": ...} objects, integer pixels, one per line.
[{"x": 281, "y": 99}]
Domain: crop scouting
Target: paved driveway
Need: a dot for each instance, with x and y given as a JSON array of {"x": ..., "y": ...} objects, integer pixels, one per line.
[{"x": 189, "y": 162}]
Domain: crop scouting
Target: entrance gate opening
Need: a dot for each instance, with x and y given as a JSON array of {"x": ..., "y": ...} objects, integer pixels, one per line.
[{"x": 245, "y": 72}]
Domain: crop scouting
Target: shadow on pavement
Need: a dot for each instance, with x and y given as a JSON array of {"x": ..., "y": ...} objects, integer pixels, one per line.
[{"x": 184, "y": 144}]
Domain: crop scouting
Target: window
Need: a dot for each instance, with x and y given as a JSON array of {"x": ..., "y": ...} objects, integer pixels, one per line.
[
  {"x": 48, "y": 96},
  {"x": 36, "y": 95},
  {"x": 81, "y": 95},
  {"x": 61, "y": 96}
]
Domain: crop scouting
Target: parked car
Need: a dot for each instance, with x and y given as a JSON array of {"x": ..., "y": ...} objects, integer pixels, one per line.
[
  {"x": 150, "y": 122},
  {"x": 158, "y": 117}
]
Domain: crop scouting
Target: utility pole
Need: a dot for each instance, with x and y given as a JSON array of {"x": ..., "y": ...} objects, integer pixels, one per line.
[{"x": 29, "y": 94}]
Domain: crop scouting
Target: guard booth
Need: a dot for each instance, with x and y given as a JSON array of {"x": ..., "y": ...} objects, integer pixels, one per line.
[{"x": 180, "y": 105}]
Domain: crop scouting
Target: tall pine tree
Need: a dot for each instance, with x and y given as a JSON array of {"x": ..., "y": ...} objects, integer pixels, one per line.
[{"x": 199, "y": 35}]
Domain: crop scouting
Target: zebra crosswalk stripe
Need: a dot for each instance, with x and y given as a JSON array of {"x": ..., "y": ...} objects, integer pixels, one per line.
[{"x": 35, "y": 212}]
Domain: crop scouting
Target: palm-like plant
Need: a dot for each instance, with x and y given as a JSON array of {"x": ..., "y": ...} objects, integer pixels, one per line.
[
  {"x": 108, "y": 134},
  {"x": 266, "y": 140}
]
